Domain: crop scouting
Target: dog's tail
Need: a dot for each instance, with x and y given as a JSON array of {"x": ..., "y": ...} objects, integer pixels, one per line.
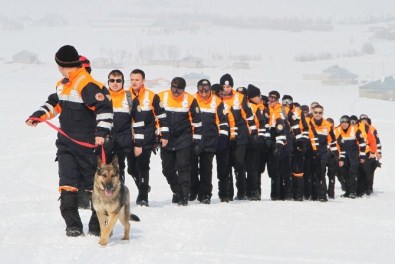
[{"x": 134, "y": 217}]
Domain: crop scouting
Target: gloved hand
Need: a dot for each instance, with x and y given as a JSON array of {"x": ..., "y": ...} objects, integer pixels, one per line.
[
  {"x": 299, "y": 145},
  {"x": 268, "y": 143},
  {"x": 277, "y": 150},
  {"x": 255, "y": 141},
  {"x": 222, "y": 143},
  {"x": 196, "y": 148}
]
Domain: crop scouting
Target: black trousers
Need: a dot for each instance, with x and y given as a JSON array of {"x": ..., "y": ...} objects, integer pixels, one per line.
[
  {"x": 223, "y": 173},
  {"x": 202, "y": 173},
  {"x": 139, "y": 168},
  {"x": 237, "y": 153},
  {"x": 318, "y": 176},
  {"x": 176, "y": 167},
  {"x": 251, "y": 161}
]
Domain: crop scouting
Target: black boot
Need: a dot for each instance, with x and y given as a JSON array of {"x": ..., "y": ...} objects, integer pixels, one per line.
[
  {"x": 94, "y": 226},
  {"x": 142, "y": 198},
  {"x": 83, "y": 199},
  {"x": 69, "y": 211}
]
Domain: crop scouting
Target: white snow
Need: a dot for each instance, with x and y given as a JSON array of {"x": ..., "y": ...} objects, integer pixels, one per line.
[{"x": 339, "y": 231}]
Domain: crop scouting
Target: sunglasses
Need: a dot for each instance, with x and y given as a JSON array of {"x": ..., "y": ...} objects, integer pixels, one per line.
[
  {"x": 317, "y": 113},
  {"x": 176, "y": 89},
  {"x": 115, "y": 80},
  {"x": 272, "y": 98}
]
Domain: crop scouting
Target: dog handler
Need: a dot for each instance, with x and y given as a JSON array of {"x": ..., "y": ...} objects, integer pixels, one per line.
[{"x": 85, "y": 114}]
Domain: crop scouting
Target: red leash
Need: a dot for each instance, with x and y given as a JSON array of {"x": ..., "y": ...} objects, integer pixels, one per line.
[{"x": 81, "y": 143}]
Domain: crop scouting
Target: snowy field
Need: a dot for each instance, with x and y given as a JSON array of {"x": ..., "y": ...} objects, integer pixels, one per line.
[{"x": 339, "y": 231}]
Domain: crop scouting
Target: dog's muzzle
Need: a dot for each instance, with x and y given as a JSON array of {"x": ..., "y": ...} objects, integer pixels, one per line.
[{"x": 108, "y": 189}]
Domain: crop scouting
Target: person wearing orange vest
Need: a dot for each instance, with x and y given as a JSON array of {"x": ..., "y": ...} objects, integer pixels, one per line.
[
  {"x": 276, "y": 143},
  {"x": 352, "y": 152},
  {"x": 215, "y": 124},
  {"x": 242, "y": 127},
  {"x": 146, "y": 109},
  {"x": 85, "y": 114},
  {"x": 323, "y": 142},
  {"x": 185, "y": 125},
  {"x": 333, "y": 168},
  {"x": 365, "y": 185},
  {"x": 256, "y": 144}
]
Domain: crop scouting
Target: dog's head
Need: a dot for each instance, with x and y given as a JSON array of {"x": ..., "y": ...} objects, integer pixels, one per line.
[{"x": 107, "y": 176}]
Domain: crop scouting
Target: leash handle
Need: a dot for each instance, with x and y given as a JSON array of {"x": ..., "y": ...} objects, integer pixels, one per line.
[{"x": 81, "y": 143}]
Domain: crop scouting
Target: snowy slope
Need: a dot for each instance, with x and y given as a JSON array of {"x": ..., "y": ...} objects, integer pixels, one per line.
[{"x": 340, "y": 231}]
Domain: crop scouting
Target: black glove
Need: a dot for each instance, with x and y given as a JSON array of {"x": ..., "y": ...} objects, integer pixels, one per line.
[
  {"x": 277, "y": 150},
  {"x": 255, "y": 141},
  {"x": 196, "y": 148},
  {"x": 299, "y": 145},
  {"x": 268, "y": 143},
  {"x": 222, "y": 143}
]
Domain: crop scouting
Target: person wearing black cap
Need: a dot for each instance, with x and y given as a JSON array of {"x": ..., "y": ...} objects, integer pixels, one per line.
[
  {"x": 215, "y": 127},
  {"x": 85, "y": 114},
  {"x": 352, "y": 153},
  {"x": 275, "y": 145},
  {"x": 185, "y": 124},
  {"x": 242, "y": 126},
  {"x": 256, "y": 144}
]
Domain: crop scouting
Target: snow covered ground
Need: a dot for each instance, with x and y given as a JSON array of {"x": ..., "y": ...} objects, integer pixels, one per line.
[{"x": 339, "y": 231}]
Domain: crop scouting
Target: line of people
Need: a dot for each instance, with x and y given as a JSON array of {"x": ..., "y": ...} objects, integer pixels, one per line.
[{"x": 244, "y": 130}]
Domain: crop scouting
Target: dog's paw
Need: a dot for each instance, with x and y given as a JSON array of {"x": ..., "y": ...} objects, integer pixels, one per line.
[
  {"x": 125, "y": 238},
  {"x": 103, "y": 242}
]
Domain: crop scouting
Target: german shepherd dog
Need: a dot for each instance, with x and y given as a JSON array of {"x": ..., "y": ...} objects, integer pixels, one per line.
[{"x": 111, "y": 200}]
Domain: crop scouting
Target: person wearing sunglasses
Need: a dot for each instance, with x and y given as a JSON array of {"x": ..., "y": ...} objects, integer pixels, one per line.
[
  {"x": 185, "y": 124},
  {"x": 147, "y": 108},
  {"x": 323, "y": 142},
  {"x": 85, "y": 114},
  {"x": 242, "y": 126},
  {"x": 215, "y": 127},
  {"x": 352, "y": 148}
]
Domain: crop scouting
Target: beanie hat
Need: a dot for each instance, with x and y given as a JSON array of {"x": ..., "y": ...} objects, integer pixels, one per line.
[
  {"x": 179, "y": 83},
  {"x": 241, "y": 90},
  {"x": 274, "y": 94},
  {"x": 203, "y": 82},
  {"x": 305, "y": 108},
  {"x": 226, "y": 79},
  {"x": 354, "y": 118},
  {"x": 287, "y": 97},
  {"x": 363, "y": 117},
  {"x": 253, "y": 91},
  {"x": 345, "y": 119},
  {"x": 67, "y": 56},
  {"x": 216, "y": 87},
  {"x": 264, "y": 98},
  {"x": 85, "y": 63}
]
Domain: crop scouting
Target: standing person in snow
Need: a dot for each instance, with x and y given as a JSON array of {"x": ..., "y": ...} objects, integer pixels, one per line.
[
  {"x": 85, "y": 114},
  {"x": 147, "y": 108},
  {"x": 185, "y": 124},
  {"x": 215, "y": 125}
]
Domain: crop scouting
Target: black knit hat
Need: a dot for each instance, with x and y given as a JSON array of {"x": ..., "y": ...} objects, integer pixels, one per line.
[
  {"x": 216, "y": 87},
  {"x": 253, "y": 91},
  {"x": 354, "y": 118},
  {"x": 274, "y": 94},
  {"x": 242, "y": 90},
  {"x": 179, "y": 83},
  {"x": 203, "y": 82},
  {"x": 264, "y": 98},
  {"x": 287, "y": 97},
  {"x": 305, "y": 108},
  {"x": 67, "y": 56},
  {"x": 345, "y": 119},
  {"x": 226, "y": 79}
]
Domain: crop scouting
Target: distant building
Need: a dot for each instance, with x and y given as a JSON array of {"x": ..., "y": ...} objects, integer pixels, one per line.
[
  {"x": 158, "y": 83},
  {"x": 191, "y": 62},
  {"x": 193, "y": 78},
  {"x": 336, "y": 75},
  {"x": 26, "y": 57},
  {"x": 13, "y": 26},
  {"x": 240, "y": 65},
  {"x": 51, "y": 20},
  {"x": 381, "y": 89}
]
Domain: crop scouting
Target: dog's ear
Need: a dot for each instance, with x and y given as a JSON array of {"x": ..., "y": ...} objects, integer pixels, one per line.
[{"x": 114, "y": 161}]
